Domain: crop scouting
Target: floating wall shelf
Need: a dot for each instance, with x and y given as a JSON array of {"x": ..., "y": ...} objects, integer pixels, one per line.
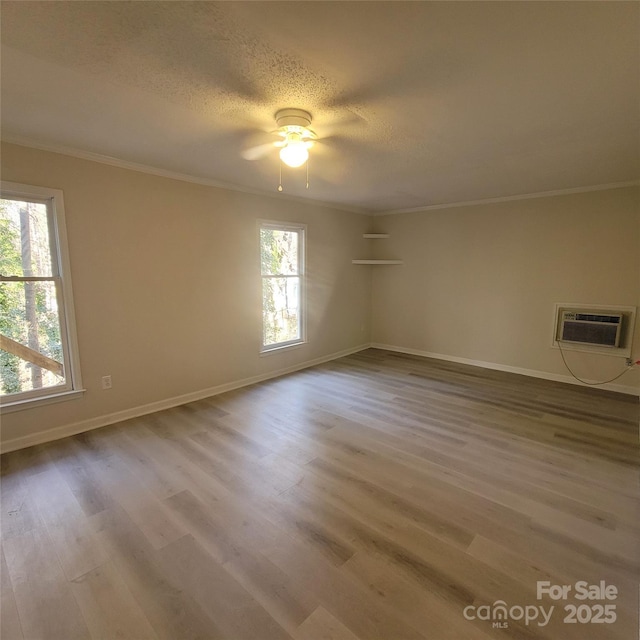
[{"x": 376, "y": 236}]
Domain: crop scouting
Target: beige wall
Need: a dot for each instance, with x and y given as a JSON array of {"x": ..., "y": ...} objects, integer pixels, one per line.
[
  {"x": 166, "y": 284},
  {"x": 480, "y": 282},
  {"x": 167, "y": 295}
]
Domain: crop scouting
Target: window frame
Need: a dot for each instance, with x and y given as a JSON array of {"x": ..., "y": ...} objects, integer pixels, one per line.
[
  {"x": 61, "y": 277},
  {"x": 301, "y": 229}
]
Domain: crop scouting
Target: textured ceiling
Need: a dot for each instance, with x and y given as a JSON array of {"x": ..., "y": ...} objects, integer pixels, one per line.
[{"x": 420, "y": 103}]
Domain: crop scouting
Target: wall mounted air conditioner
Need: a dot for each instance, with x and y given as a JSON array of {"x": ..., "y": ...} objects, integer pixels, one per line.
[
  {"x": 588, "y": 327},
  {"x": 594, "y": 328}
]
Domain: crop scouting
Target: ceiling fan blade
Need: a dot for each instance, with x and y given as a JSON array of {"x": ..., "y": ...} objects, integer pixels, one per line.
[
  {"x": 262, "y": 150},
  {"x": 259, "y": 151},
  {"x": 337, "y": 121}
]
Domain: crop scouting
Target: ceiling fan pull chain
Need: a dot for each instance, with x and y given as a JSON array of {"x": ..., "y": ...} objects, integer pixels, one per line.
[
  {"x": 280, "y": 182},
  {"x": 307, "y": 174}
]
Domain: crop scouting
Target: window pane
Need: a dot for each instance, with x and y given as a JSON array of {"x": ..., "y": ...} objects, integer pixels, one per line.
[
  {"x": 24, "y": 239},
  {"x": 31, "y": 356},
  {"x": 280, "y": 310},
  {"x": 279, "y": 252}
]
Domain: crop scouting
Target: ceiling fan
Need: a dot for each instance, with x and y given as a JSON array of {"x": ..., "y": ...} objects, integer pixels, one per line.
[{"x": 296, "y": 138}]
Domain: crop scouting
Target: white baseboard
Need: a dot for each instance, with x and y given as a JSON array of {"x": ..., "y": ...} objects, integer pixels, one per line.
[
  {"x": 556, "y": 377},
  {"x": 64, "y": 431}
]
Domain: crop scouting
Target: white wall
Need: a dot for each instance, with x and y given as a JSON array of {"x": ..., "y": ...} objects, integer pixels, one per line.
[
  {"x": 167, "y": 288},
  {"x": 479, "y": 282}
]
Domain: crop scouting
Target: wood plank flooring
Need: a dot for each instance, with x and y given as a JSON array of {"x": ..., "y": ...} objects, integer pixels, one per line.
[{"x": 379, "y": 496}]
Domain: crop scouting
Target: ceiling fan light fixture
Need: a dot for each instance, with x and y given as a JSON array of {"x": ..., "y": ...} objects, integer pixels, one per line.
[
  {"x": 293, "y": 127},
  {"x": 295, "y": 152}
]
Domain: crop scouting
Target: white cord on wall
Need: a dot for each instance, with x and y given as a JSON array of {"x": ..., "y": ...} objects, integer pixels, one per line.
[{"x": 593, "y": 384}]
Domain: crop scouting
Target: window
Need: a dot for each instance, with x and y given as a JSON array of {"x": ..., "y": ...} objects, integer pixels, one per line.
[
  {"x": 38, "y": 352},
  {"x": 282, "y": 268}
]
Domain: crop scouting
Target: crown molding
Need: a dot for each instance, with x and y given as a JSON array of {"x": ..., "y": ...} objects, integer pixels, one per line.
[
  {"x": 173, "y": 175},
  {"x": 524, "y": 196}
]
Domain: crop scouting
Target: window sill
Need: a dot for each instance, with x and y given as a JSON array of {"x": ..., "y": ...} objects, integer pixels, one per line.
[
  {"x": 32, "y": 403},
  {"x": 279, "y": 349}
]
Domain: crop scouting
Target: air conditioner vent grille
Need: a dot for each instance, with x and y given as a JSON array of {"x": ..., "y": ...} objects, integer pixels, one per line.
[
  {"x": 590, "y": 317},
  {"x": 591, "y": 328}
]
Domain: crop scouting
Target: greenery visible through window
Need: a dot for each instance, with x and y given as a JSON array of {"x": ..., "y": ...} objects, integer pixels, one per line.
[
  {"x": 281, "y": 260},
  {"x": 34, "y": 350}
]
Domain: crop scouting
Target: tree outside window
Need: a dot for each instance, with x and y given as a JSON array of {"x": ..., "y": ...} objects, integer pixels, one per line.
[
  {"x": 35, "y": 358},
  {"x": 281, "y": 260}
]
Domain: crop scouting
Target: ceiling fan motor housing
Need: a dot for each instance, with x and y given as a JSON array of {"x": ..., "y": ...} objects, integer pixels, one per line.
[{"x": 293, "y": 118}]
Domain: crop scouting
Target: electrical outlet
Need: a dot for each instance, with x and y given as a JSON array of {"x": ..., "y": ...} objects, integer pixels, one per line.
[{"x": 106, "y": 382}]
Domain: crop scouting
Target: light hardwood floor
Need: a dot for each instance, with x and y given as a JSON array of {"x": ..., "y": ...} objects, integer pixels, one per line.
[{"x": 376, "y": 496}]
